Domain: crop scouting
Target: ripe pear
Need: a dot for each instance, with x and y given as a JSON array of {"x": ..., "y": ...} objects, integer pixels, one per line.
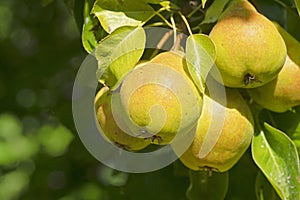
[
  {"x": 282, "y": 93},
  {"x": 111, "y": 131},
  {"x": 249, "y": 50},
  {"x": 219, "y": 148},
  {"x": 160, "y": 98}
]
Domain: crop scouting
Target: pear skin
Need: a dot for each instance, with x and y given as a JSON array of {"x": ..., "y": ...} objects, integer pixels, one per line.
[
  {"x": 282, "y": 93},
  {"x": 250, "y": 52},
  {"x": 229, "y": 140},
  {"x": 156, "y": 104},
  {"x": 111, "y": 131}
]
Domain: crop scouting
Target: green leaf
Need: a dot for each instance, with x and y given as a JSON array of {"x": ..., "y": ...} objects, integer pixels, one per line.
[
  {"x": 297, "y": 2},
  {"x": 214, "y": 11},
  {"x": 200, "y": 57},
  {"x": 276, "y": 155},
  {"x": 118, "y": 53},
  {"x": 92, "y": 32},
  {"x": 263, "y": 189},
  {"x": 207, "y": 185},
  {"x": 113, "y": 14}
]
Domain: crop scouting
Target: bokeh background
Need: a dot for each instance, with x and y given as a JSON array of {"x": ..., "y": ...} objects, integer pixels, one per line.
[{"x": 41, "y": 155}]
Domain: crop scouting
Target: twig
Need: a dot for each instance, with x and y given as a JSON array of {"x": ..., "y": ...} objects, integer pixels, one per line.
[{"x": 161, "y": 43}]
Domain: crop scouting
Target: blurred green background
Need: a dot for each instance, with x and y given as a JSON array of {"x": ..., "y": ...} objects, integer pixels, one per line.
[{"x": 41, "y": 156}]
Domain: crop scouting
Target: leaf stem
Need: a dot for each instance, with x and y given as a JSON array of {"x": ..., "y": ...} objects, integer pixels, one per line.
[
  {"x": 165, "y": 20},
  {"x": 158, "y": 14},
  {"x": 174, "y": 28},
  {"x": 186, "y": 23},
  {"x": 156, "y": 24}
]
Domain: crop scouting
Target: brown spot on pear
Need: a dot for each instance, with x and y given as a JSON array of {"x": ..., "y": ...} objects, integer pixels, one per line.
[
  {"x": 228, "y": 141},
  {"x": 249, "y": 50},
  {"x": 111, "y": 131}
]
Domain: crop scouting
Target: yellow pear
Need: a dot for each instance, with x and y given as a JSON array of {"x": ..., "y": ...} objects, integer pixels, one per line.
[
  {"x": 223, "y": 134},
  {"x": 282, "y": 93},
  {"x": 160, "y": 98},
  {"x": 110, "y": 129},
  {"x": 249, "y": 50}
]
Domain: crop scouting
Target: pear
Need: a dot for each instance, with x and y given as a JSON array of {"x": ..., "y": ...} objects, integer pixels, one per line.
[
  {"x": 160, "y": 98},
  {"x": 282, "y": 93},
  {"x": 110, "y": 130},
  {"x": 250, "y": 52},
  {"x": 218, "y": 146}
]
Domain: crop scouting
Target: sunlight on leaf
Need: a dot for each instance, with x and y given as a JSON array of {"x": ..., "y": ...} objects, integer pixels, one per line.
[
  {"x": 118, "y": 53},
  {"x": 113, "y": 14},
  {"x": 204, "y": 185},
  {"x": 200, "y": 57},
  {"x": 92, "y": 32},
  {"x": 276, "y": 155}
]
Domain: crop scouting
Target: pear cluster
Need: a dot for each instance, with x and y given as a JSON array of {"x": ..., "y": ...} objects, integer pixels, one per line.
[
  {"x": 253, "y": 55},
  {"x": 157, "y": 100}
]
